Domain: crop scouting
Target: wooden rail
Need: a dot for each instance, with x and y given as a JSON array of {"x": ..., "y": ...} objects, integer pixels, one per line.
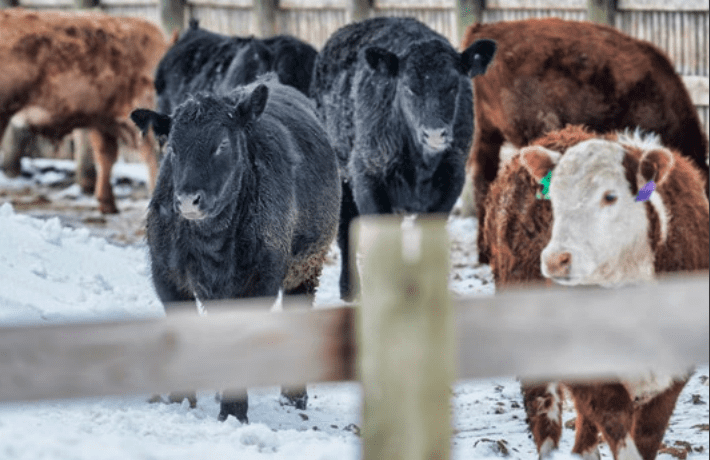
[{"x": 536, "y": 333}]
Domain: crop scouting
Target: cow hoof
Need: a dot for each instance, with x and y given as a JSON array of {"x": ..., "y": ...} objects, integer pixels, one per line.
[
  {"x": 108, "y": 208},
  {"x": 179, "y": 397},
  {"x": 237, "y": 408},
  {"x": 297, "y": 398}
]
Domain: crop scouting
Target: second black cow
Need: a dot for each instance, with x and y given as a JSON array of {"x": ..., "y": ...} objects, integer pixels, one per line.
[
  {"x": 206, "y": 61},
  {"x": 396, "y": 100},
  {"x": 246, "y": 202}
]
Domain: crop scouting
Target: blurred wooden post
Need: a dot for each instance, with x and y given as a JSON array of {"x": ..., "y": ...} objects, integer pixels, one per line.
[
  {"x": 85, "y": 4},
  {"x": 469, "y": 12},
  {"x": 359, "y": 10},
  {"x": 406, "y": 339},
  {"x": 601, "y": 11},
  {"x": 8, "y": 3},
  {"x": 265, "y": 17},
  {"x": 172, "y": 15}
]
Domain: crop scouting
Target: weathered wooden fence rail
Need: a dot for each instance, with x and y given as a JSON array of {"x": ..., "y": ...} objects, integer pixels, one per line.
[{"x": 535, "y": 333}]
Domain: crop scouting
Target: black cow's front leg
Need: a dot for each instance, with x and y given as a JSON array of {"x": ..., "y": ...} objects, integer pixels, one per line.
[
  {"x": 348, "y": 212},
  {"x": 234, "y": 405},
  {"x": 296, "y": 397}
]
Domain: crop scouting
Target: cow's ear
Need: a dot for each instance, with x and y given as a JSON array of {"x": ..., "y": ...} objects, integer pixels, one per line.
[
  {"x": 538, "y": 160},
  {"x": 381, "y": 60},
  {"x": 655, "y": 166},
  {"x": 144, "y": 119},
  {"x": 476, "y": 58},
  {"x": 253, "y": 106}
]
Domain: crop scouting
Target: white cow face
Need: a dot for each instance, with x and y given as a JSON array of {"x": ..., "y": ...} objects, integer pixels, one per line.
[{"x": 599, "y": 232}]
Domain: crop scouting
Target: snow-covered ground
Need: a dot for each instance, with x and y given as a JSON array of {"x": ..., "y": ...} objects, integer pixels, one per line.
[{"x": 50, "y": 273}]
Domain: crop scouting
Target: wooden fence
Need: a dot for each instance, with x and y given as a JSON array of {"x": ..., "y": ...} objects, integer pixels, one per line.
[
  {"x": 407, "y": 341},
  {"x": 679, "y": 27}
]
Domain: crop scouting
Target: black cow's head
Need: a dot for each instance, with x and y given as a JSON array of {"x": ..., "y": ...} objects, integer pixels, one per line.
[
  {"x": 428, "y": 83},
  {"x": 207, "y": 148},
  {"x": 250, "y": 61}
]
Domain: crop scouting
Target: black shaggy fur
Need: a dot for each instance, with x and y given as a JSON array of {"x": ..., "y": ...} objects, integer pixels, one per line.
[
  {"x": 206, "y": 61},
  {"x": 396, "y": 101},
  {"x": 247, "y": 198}
]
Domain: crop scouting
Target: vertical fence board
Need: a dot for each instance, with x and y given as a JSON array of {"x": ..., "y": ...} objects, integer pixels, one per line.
[{"x": 406, "y": 335}]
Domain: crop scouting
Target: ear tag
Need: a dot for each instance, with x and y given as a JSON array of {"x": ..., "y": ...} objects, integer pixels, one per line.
[
  {"x": 545, "y": 181},
  {"x": 646, "y": 191}
]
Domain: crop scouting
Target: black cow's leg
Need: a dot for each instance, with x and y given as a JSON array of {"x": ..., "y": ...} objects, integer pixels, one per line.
[
  {"x": 348, "y": 212},
  {"x": 236, "y": 405},
  {"x": 295, "y": 396}
]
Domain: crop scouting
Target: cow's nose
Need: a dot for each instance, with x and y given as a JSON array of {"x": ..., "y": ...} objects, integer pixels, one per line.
[
  {"x": 436, "y": 138},
  {"x": 189, "y": 204},
  {"x": 558, "y": 264}
]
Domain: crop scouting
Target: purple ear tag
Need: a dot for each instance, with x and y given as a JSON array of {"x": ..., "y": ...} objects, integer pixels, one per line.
[{"x": 646, "y": 191}]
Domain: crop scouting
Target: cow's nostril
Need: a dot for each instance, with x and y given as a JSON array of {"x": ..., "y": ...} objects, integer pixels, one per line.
[
  {"x": 565, "y": 259},
  {"x": 196, "y": 199}
]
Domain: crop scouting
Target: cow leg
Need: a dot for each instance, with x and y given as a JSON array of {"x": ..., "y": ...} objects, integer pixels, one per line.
[
  {"x": 85, "y": 168},
  {"x": 348, "y": 274},
  {"x": 486, "y": 151},
  {"x": 236, "y": 404},
  {"x": 15, "y": 145},
  {"x": 586, "y": 442},
  {"x": 650, "y": 420},
  {"x": 178, "y": 397},
  {"x": 610, "y": 408},
  {"x": 105, "y": 147},
  {"x": 543, "y": 405}
]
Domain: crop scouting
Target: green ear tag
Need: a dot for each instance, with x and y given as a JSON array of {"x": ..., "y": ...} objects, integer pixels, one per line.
[{"x": 545, "y": 181}]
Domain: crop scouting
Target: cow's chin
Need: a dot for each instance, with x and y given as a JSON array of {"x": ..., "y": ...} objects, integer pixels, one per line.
[{"x": 567, "y": 280}]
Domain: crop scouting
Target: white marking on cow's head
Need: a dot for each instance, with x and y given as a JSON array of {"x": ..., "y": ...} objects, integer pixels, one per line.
[{"x": 599, "y": 232}]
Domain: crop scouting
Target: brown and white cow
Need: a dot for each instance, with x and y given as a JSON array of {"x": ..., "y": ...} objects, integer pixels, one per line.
[
  {"x": 548, "y": 73},
  {"x": 63, "y": 71},
  {"x": 602, "y": 235}
]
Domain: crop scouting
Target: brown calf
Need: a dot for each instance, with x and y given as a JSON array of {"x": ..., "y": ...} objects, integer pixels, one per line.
[
  {"x": 548, "y": 73},
  {"x": 63, "y": 71}
]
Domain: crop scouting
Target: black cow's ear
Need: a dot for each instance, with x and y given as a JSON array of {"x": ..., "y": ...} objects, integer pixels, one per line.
[
  {"x": 144, "y": 119},
  {"x": 253, "y": 106},
  {"x": 381, "y": 60},
  {"x": 476, "y": 58}
]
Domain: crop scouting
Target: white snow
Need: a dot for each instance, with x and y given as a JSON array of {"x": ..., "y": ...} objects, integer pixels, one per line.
[{"x": 53, "y": 274}]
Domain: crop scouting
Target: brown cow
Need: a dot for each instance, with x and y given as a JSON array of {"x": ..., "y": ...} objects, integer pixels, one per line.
[
  {"x": 549, "y": 73},
  {"x": 63, "y": 71},
  {"x": 600, "y": 235}
]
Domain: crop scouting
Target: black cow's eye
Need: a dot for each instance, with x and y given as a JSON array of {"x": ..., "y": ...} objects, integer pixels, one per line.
[{"x": 609, "y": 198}]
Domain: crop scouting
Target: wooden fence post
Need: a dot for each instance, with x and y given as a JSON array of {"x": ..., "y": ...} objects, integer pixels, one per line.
[
  {"x": 359, "y": 10},
  {"x": 469, "y": 12},
  {"x": 172, "y": 15},
  {"x": 265, "y": 17},
  {"x": 601, "y": 11},
  {"x": 406, "y": 339}
]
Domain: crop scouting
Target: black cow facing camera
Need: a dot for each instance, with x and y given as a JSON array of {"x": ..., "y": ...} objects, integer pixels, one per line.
[
  {"x": 397, "y": 104},
  {"x": 246, "y": 202}
]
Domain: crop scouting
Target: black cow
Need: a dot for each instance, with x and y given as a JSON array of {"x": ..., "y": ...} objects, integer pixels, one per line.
[
  {"x": 396, "y": 100},
  {"x": 246, "y": 202},
  {"x": 206, "y": 61}
]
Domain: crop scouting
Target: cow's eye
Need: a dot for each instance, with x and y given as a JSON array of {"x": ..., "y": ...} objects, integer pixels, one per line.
[{"x": 609, "y": 198}]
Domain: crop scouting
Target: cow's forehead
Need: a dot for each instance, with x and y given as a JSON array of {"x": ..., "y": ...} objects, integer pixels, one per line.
[
  {"x": 430, "y": 58},
  {"x": 590, "y": 164}
]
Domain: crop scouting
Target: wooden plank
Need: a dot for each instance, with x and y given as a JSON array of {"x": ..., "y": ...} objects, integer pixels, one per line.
[
  {"x": 601, "y": 11},
  {"x": 470, "y": 12},
  {"x": 698, "y": 88},
  {"x": 221, "y": 350},
  {"x": 358, "y": 10},
  {"x": 172, "y": 15},
  {"x": 663, "y": 5},
  {"x": 586, "y": 332},
  {"x": 226, "y": 4},
  {"x": 414, "y": 4},
  {"x": 265, "y": 17},
  {"x": 405, "y": 339},
  {"x": 536, "y": 4},
  {"x": 312, "y": 4}
]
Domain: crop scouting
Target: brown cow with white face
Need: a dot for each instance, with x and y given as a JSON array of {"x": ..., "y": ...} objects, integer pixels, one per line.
[{"x": 607, "y": 231}]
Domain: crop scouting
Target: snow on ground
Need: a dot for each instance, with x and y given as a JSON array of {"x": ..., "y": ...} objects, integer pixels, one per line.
[{"x": 50, "y": 273}]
